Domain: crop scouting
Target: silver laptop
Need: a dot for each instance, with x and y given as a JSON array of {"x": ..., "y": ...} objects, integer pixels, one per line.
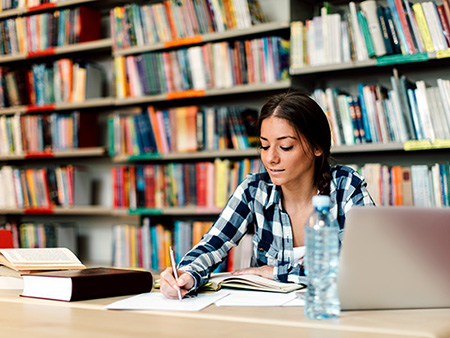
[{"x": 395, "y": 258}]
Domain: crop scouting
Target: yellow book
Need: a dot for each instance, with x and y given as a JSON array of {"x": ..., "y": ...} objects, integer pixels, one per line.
[
  {"x": 31, "y": 187},
  {"x": 221, "y": 182},
  {"x": 423, "y": 27},
  {"x": 133, "y": 246},
  {"x": 120, "y": 83}
]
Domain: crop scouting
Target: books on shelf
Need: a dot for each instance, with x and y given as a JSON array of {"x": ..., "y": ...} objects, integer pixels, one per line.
[
  {"x": 41, "y": 32},
  {"x": 32, "y": 188},
  {"x": 373, "y": 29},
  {"x": 90, "y": 283},
  {"x": 178, "y": 184},
  {"x": 140, "y": 25},
  {"x": 195, "y": 128},
  {"x": 63, "y": 81},
  {"x": 408, "y": 111},
  {"x": 418, "y": 185},
  {"x": 216, "y": 65},
  {"x": 147, "y": 246},
  {"x": 22, "y": 134}
]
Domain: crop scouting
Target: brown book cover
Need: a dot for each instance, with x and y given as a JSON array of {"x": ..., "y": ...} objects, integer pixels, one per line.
[{"x": 91, "y": 283}]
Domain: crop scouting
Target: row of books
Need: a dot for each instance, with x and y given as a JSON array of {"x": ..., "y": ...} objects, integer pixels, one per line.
[
  {"x": 203, "y": 184},
  {"x": 370, "y": 31},
  {"x": 44, "y": 188},
  {"x": 409, "y": 111},
  {"x": 34, "y": 33},
  {"x": 419, "y": 185},
  {"x": 147, "y": 246},
  {"x": 21, "y": 134},
  {"x": 43, "y": 235},
  {"x": 12, "y": 4},
  {"x": 183, "y": 129},
  {"x": 64, "y": 81},
  {"x": 212, "y": 65},
  {"x": 138, "y": 25}
]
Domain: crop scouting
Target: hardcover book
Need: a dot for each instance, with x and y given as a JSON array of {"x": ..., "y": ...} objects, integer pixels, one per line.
[{"x": 91, "y": 283}]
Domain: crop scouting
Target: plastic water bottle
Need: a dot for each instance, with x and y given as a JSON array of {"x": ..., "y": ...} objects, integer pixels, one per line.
[{"x": 321, "y": 262}]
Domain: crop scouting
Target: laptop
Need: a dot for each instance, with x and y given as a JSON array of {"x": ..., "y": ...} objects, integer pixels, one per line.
[{"x": 395, "y": 258}]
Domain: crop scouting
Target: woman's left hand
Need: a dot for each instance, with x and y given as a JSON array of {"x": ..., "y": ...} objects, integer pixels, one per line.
[{"x": 265, "y": 271}]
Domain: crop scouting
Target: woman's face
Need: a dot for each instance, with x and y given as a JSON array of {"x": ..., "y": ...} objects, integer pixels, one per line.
[{"x": 287, "y": 159}]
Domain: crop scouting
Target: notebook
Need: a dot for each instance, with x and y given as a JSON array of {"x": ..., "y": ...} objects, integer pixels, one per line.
[{"x": 395, "y": 258}]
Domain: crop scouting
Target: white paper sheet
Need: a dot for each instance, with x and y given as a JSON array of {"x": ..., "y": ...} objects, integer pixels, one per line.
[
  {"x": 157, "y": 301},
  {"x": 255, "y": 298},
  {"x": 299, "y": 300}
]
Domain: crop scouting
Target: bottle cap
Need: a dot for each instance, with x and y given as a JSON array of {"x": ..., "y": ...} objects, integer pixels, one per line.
[{"x": 321, "y": 201}]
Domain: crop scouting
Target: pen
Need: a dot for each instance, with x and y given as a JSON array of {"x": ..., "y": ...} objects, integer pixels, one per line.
[{"x": 174, "y": 268}]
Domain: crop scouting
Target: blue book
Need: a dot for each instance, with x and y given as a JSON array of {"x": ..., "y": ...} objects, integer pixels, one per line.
[
  {"x": 398, "y": 26},
  {"x": 385, "y": 31},
  {"x": 154, "y": 246},
  {"x": 415, "y": 114},
  {"x": 392, "y": 31},
  {"x": 365, "y": 119},
  {"x": 139, "y": 139}
]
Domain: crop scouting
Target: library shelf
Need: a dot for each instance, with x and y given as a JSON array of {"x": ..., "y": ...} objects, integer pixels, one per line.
[
  {"x": 83, "y": 47},
  {"x": 102, "y": 102},
  {"x": 198, "y": 155},
  {"x": 389, "y": 60},
  {"x": 72, "y": 153},
  {"x": 45, "y": 7},
  {"x": 176, "y": 211},
  {"x": 368, "y": 147},
  {"x": 93, "y": 210},
  {"x": 268, "y": 27},
  {"x": 250, "y": 88}
]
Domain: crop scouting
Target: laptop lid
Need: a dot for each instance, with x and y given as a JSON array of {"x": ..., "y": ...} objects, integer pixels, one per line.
[{"x": 395, "y": 257}]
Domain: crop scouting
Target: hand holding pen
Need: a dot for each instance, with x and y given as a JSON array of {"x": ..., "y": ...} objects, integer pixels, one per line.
[
  {"x": 174, "y": 268},
  {"x": 175, "y": 283}
]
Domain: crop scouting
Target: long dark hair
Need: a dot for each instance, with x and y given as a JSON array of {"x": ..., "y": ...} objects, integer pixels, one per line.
[{"x": 308, "y": 118}]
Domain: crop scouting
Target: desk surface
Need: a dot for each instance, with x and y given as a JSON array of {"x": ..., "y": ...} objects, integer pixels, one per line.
[{"x": 45, "y": 318}]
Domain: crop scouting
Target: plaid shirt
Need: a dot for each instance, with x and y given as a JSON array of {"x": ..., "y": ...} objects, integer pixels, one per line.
[{"x": 256, "y": 206}]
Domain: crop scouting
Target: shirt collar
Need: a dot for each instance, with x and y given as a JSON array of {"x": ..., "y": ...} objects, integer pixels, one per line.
[{"x": 274, "y": 197}]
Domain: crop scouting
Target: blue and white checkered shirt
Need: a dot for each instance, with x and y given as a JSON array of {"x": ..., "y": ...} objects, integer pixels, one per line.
[{"x": 256, "y": 206}]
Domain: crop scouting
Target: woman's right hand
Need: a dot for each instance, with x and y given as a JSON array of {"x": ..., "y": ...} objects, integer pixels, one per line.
[{"x": 169, "y": 286}]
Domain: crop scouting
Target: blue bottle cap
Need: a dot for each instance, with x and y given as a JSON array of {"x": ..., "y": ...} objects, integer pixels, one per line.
[{"x": 321, "y": 201}]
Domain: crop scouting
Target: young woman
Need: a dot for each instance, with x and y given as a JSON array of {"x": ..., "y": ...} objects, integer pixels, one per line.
[{"x": 295, "y": 148}]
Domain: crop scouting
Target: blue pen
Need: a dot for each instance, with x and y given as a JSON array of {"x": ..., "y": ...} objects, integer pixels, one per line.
[{"x": 174, "y": 268}]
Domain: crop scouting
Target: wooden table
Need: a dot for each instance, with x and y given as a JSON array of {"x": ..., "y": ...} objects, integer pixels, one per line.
[{"x": 20, "y": 317}]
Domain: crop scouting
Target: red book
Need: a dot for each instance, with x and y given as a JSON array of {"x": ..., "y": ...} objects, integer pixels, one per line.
[
  {"x": 114, "y": 183},
  {"x": 405, "y": 27},
  {"x": 6, "y": 239},
  {"x": 444, "y": 23},
  {"x": 88, "y": 25},
  {"x": 87, "y": 128},
  {"x": 201, "y": 184},
  {"x": 155, "y": 128}
]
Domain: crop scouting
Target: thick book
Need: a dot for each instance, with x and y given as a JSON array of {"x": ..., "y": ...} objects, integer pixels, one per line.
[
  {"x": 249, "y": 282},
  {"x": 91, "y": 283}
]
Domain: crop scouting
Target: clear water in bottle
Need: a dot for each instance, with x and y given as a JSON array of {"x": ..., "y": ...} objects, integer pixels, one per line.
[{"x": 321, "y": 262}]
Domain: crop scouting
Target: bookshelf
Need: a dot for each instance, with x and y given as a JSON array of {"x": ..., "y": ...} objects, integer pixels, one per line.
[{"x": 331, "y": 80}]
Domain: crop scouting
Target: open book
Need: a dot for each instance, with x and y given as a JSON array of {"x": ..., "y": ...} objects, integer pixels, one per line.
[
  {"x": 249, "y": 282},
  {"x": 38, "y": 259}
]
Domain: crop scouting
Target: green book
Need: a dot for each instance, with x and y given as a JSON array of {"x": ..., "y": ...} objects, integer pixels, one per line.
[{"x": 366, "y": 33}]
